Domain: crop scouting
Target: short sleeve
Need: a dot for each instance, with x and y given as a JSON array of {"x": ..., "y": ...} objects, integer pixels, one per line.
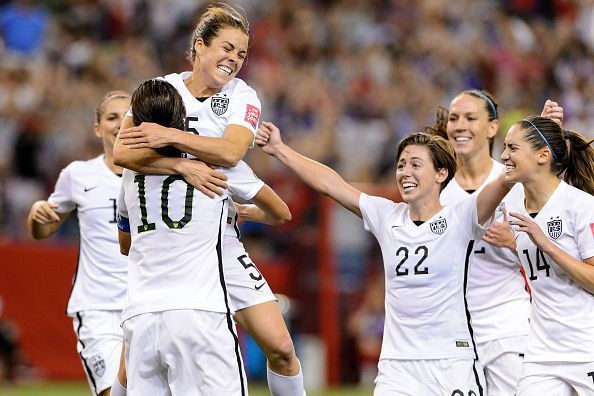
[
  {"x": 62, "y": 194},
  {"x": 242, "y": 181},
  {"x": 374, "y": 210},
  {"x": 122, "y": 209},
  {"x": 584, "y": 227},
  {"x": 245, "y": 109},
  {"x": 466, "y": 214}
]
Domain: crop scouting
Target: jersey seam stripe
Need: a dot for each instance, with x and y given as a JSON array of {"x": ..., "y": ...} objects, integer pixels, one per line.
[
  {"x": 87, "y": 368},
  {"x": 75, "y": 278},
  {"x": 469, "y": 251},
  {"x": 228, "y": 313}
]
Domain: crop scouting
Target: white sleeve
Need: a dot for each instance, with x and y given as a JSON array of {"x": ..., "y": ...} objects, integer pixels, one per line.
[
  {"x": 243, "y": 182},
  {"x": 466, "y": 214},
  {"x": 245, "y": 109},
  {"x": 62, "y": 194},
  {"x": 122, "y": 209},
  {"x": 374, "y": 210},
  {"x": 584, "y": 227}
]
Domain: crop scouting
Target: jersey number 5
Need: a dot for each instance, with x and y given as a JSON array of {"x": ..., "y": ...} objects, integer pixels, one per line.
[
  {"x": 404, "y": 252},
  {"x": 173, "y": 224}
]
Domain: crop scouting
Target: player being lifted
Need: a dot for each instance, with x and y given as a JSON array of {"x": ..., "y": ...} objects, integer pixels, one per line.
[
  {"x": 222, "y": 111},
  {"x": 427, "y": 346},
  {"x": 555, "y": 245},
  {"x": 99, "y": 285}
]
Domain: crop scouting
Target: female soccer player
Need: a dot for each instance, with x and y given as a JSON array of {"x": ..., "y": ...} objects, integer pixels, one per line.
[
  {"x": 555, "y": 244},
  {"x": 223, "y": 113},
  {"x": 97, "y": 298},
  {"x": 427, "y": 346}
]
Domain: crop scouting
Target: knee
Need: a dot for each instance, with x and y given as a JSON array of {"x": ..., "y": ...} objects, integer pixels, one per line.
[{"x": 282, "y": 353}]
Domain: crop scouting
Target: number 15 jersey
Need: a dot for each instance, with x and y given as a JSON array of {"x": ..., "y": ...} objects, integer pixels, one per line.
[
  {"x": 175, "y": 255},
  {"x": 426, "y": 269}
]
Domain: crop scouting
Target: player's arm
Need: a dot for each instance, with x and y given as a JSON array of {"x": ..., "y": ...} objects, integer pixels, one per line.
[
  {"x": 226, "y": 152},
  {"x": 581, "y": 272},
  {"x": 148, "y": 161},
  {"x": 43, "y": 221},
  {"x": 316, "y": 175},
  {"x": 124, "y": 236},
  {"x": 268, "y": 208},
  {"x": 490, "y": 197}
]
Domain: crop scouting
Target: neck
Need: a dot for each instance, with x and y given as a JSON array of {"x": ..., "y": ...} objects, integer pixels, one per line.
[
  {"x": 198, "y": 88},
  {"x": 108, "y": 159},
  {"x": 423, "y": 210},
  {"x": 473, "y": 170},
  {"x": 538, "y": 191}
]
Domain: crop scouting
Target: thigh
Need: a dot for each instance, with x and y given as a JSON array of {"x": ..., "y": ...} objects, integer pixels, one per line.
[
  {"x": 581, "y": 377},
  {"x": 99, "y": 338},
  {"x": 503, "y": 373},
  {"x": 201, "y": 352},
  {"x": 456, "y": 377},
  {"x": 246, "y": 286},
  {"x": 397, "y": 378},
  {"x": 542, "y": 380},
  {"x": 146, "y": 375}
]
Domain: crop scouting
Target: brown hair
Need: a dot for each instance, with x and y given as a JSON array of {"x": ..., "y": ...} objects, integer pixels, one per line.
[
  {"x": 441, "y": 151},
  {"x": 571, "y": 154},
  {"x": 215, "y": 18},
  {"x": 158, "y": 101},
  {"x": 108, "y": 97}
]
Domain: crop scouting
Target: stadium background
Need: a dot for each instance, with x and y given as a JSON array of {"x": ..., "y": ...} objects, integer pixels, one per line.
[{"x": 343, "y": 79}]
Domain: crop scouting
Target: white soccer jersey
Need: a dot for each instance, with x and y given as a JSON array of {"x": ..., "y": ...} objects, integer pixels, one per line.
[
  {"x": 236, "y": 103},
  {"x": 92, "y": 189},
  {"x": 498, "y": 302},
  {"x": 175, "y": 256},
  {"x": 425, "y": 270},
  {"x": 562, "y": 319}
]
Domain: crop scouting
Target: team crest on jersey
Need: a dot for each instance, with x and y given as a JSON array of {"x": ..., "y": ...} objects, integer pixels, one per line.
[
  {"x": 438, "y": 226},
  {"x": 98, "y": 365},
  {"x": 555, "y": 228},
  {"x": 219, "y": 105}
]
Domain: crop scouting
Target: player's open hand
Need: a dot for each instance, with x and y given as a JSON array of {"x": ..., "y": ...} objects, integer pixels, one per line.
[
  {"x": 268, "y": 138},
  {"x": 148, "y": 135},
  {"x": 204, "y": 178},
  {"x": 526, "y": 224},
  {"x": 500, "y": 233},
  {"x": 44, "y": 212},
  {"x": 553, "y": 111}
]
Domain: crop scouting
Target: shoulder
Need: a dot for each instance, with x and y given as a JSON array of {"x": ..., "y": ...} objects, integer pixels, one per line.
[
  {"x": 579, "y": 199},
  {"x": 240, "y": 87},
  {"x": 385, "y": 205},
  {"x": 82, "y": 166}
]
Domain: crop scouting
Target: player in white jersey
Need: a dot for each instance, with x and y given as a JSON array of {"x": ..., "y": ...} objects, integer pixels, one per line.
[
  {"x": 555, "y": 243},
  {"x": 98, "y": 290},
  {"x": 497, "y": 298},
  {"x": 427, "y": 347},
  {"x": 223, "y": 113}
]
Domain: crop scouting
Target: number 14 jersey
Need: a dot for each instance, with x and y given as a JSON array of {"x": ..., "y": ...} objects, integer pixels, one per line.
[{"x": 426, "y": 270}]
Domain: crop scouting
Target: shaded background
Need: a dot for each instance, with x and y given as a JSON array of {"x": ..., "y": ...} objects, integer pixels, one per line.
[{"x": 343, "y": 79}]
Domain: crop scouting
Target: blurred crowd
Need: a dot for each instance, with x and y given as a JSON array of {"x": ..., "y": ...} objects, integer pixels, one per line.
[{"x": 345, "y": 80}]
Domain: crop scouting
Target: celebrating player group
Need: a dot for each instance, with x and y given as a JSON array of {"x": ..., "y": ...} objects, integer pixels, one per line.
[{"x": 489, "y": 265}]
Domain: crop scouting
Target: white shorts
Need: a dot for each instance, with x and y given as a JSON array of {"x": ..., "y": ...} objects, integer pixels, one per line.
[
  {"x": 440, "y": 377},
  {"x": 99, "y": 346},
  {"x": 183, "y": 352},
  {"x": 502, "y": 362},
  {"x": 246, "y": 286},
  {"x": 556, "y": 379}
]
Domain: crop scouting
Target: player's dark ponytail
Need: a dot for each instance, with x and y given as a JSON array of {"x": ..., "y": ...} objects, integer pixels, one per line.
[{"x": 579, "y": 170}]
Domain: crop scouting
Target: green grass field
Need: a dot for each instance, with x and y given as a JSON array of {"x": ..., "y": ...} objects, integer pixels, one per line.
[{"x": 81, "y": 389}]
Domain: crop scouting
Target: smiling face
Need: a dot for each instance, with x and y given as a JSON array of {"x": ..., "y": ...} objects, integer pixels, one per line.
[
  {"x": 468, "y": 127},
  {"x": 520, "y": 159},
  {"x": 416, "y": 175},
  {"x": 219, "y": 62},
  {"x": 110, "y": 118}
]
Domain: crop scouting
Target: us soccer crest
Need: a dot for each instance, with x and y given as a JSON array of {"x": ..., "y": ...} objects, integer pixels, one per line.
[
  {"x": 219, "y": 105},
  {"x": 555, "y": 228},
  {"x": 438, "y": 226},
  {"x": 98, "y": 365}
]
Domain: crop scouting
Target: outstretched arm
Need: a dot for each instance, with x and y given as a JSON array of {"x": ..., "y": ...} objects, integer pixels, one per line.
[
  {"x": 269, "y": 209},
  {"x": 316, "y": 175},
  {"x": 490, "y": 197},
  {"x": 43, "y": 221}
]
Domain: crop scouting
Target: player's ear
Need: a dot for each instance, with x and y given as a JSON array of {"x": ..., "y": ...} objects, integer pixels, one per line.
[
  {"x": 442, "y": 174},
  {"x": 96, "y": 130},
  {"x": 199, "y": 46}
]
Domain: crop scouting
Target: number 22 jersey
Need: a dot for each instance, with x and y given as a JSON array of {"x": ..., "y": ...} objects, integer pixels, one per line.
[{"x": 426, "y": 270}]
